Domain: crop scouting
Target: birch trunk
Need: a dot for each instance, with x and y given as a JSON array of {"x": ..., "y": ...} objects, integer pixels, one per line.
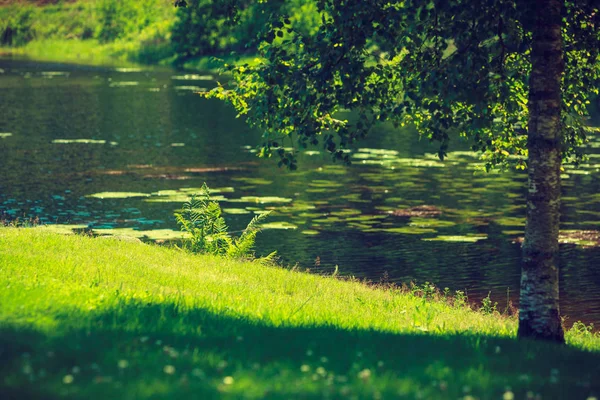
[{"x": 539, "y": 309}]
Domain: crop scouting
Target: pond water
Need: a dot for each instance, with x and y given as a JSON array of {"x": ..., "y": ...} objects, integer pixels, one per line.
[{"x": 120, "y": 149}]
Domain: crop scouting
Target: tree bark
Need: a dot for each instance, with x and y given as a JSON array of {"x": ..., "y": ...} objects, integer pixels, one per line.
[{"x": 539, "y": 315}]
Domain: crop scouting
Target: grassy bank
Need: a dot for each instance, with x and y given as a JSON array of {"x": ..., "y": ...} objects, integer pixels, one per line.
[
  {"x": 91, "y": 31},
  {"x": 100, "y": 318}
]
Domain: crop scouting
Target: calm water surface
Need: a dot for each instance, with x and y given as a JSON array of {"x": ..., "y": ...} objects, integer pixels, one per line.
[{"x": 118, "y": 150}]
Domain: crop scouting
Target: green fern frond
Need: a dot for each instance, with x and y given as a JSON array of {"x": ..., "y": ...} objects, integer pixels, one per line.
[{"x": 202, "y": 218}]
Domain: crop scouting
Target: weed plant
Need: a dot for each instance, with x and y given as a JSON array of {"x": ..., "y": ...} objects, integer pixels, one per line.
[{"x": 201, "y": 218}]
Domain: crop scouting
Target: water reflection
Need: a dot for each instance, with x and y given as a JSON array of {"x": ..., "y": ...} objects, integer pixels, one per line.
[{"x": 106, "y": 148}]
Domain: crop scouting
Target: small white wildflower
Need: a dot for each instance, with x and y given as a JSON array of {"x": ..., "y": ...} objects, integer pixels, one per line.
[
  {"x": 169, "y": 369},
  {"x": 68, "y": 379},
  {"x": 304, "y": 368},
  {"x": 321, "y": 371},
  {"x": 228, "y": 380}
]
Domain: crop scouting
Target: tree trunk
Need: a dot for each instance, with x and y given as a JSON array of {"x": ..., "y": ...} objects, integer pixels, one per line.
[{"x": 538, "y": 307}]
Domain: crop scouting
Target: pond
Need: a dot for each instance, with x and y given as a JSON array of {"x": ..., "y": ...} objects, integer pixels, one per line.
[{"x": 120, "y": 149}]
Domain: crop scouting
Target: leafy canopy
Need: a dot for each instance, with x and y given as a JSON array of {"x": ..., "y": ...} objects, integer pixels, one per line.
[{"x": 450, "y": 67}]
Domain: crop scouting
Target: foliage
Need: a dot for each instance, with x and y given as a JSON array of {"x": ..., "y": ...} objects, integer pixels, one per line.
[
  {"x": 126, "y": 29},
  {"x": 451, "y": 68},
  {"x": 218, "y": 27},
  {"x": 15, "y": 25},
  {"x": 487, "y": 306},
  {"x": 201, "y": 218}
]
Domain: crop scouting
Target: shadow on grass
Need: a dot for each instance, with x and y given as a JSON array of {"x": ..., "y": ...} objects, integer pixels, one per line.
[{"x": 161, "y": 351}]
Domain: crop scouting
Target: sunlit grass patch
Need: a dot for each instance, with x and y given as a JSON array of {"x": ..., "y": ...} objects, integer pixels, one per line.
[{"x": 83, "y": 317}]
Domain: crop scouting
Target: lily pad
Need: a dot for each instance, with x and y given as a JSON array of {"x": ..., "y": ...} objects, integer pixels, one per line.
[
  {"x": 118, "y": 195},
  {"x": 430, "y": 223},
  {"x": 469, "y": 238},
  {"x": 84, "y": 141},
  {"x": 53, "y": 74},
  {"x": 408, "y": 230},
  {"x": 123, "y": 84},
  {"x": 260, "y": 200},
  {"x": 322, "y": 183},
  {"x": 278, "y": 225},
  {"x": 510, "y": 221},
  {"x": 253, "y": 181},
  {"x": 236, "y": 211},
  {"x": 192, "y": 77},
  {"x": 191, "y": 88},
  {"x": 128, "y": 69}
]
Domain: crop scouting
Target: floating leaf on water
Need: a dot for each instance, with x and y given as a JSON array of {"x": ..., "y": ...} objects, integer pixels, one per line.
[
  {"x": 5, "y": 135},
  {"x": 346, "y": 212},
  {"x": 310, "y": 232},
  {"x": 192, "y": 77},
  {"x": 319, "y": 190},
  {"x": 85, "y": 141},
  {"x": 128, "y": 69},
  {"x": 236, "y": 211},
  {"x": 312, "y": 153},
  {"x": 278, "y": 225},
  {"x": 418, "y": 211},
  {"x": 510, "y": 221},
  {"x": 191, "y": 88},
  {"x": 430, "y": 222},
  {"x": 117, "y": 195},
  {"x": 253, "y": 181},
  {"x": 379, "y": 151},
  {"x": 512, "y": 233},
  {"x": 310, "y": 215},
  {"x": 123, "y": 84},
  {"x": 322, "y": 183},
  {"x": 227, "y": 189},
  {"x": 470, "y": 238},
  {"x": 177, "y": 144},
  {"x": 178, "y": 198},
  {"x": 261, "y": 200},
  {"x": 333, "y": 170},
  {"x": 408, "y": 230},
  {"x": 580, "y": 237},
  {"x": 53, "y": 74}
]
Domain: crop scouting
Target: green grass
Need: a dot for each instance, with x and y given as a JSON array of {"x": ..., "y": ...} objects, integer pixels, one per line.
[{"x": 98, "y": 318}]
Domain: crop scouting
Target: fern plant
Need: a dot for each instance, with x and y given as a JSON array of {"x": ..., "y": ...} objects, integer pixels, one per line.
[{"x": 201, "y": 218}]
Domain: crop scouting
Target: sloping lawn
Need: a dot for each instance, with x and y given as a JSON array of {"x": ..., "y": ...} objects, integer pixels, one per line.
[{"x": 97, "y": 318}]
